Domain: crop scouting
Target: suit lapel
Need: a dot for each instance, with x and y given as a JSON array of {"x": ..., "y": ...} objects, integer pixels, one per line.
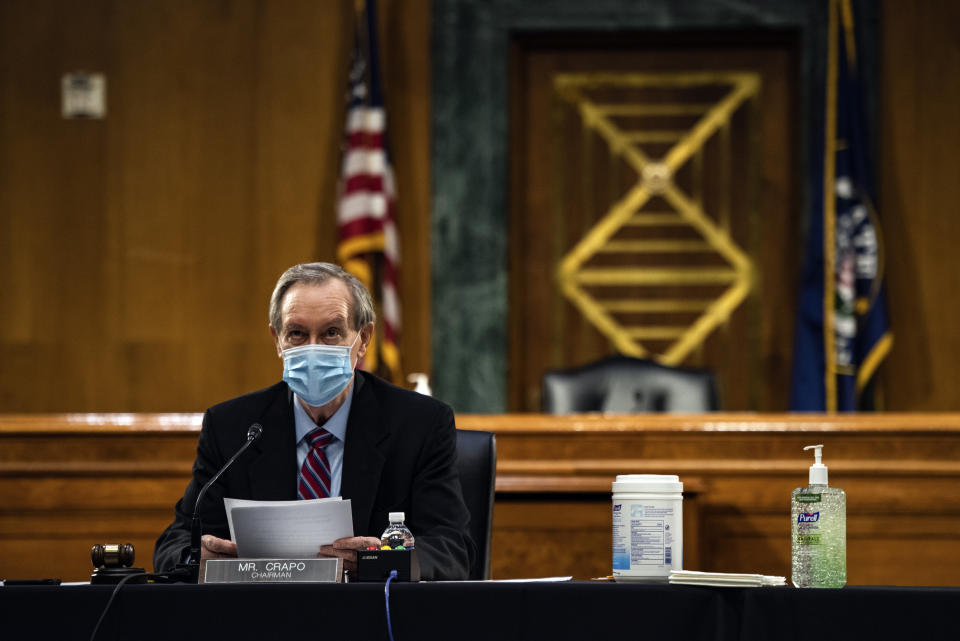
[
  {"x": 362, "y": 459},
  {"x": 273, "y": 471}
]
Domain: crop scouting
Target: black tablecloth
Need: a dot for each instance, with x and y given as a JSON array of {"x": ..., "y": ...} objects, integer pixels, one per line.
[{"x": 502, "y": 611}]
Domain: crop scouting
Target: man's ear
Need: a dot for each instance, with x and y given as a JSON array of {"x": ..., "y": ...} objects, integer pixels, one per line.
[
  {"x": 366, "y": 333},
  {"x": 276, "y": 341}
]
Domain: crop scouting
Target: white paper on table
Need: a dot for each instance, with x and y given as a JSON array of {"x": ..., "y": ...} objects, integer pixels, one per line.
[
  {"x": 543, "y": 579},
  {"x": 725, "y": 579},
  {"x": 287, "y": 529}
]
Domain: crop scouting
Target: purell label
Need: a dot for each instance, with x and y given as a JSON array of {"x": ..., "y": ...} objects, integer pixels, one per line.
[{"x": 808, "y": 517}]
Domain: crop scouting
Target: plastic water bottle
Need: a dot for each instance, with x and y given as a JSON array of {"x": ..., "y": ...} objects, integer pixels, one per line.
[{"x": 397, "y": 535}]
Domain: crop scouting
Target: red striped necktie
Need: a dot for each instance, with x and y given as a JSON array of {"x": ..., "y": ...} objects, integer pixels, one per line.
[{"x": 314, "y": 482}]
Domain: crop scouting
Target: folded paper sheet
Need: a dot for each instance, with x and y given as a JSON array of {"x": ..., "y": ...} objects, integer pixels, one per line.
[{"x": 723, "y": 579}]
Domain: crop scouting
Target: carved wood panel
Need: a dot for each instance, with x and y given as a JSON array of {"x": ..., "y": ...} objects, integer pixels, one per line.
[
  {"x": 654, "y": 209},
  {"x": 70, "y": 481}
]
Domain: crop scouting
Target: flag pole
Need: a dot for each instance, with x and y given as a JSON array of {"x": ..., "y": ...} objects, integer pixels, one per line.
[{"x": 829, "y": 214}]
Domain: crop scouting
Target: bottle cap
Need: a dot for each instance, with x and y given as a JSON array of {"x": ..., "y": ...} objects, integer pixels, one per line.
[
  {"x": 818, "y": 471},
  {"x": 396, "y": 516}
]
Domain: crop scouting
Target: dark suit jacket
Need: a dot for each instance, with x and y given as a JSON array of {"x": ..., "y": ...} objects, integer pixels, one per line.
[{"x": 399, "y": 455}]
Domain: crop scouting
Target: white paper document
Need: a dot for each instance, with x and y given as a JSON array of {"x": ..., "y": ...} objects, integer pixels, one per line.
[
  {"x": 543, "y": 579},
  {"x": 725, "y": 579},
  {"x": 287, "y": 529}
]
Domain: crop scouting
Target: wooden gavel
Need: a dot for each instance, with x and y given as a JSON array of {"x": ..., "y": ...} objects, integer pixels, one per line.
[{"x": 112, "y": 555}]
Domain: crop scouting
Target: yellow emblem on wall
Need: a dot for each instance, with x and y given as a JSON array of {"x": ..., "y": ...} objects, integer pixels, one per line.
[{"x": 655, "y": 179}]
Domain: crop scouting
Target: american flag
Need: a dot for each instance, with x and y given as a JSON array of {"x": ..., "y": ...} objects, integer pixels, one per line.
[{"x": 368, "y": 246}]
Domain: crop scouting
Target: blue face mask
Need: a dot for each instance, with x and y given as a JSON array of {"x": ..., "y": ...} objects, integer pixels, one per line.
[{"x": 318, "y": 373}]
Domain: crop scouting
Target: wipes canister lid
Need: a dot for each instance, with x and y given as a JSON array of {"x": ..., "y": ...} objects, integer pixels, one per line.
[{"x": 647, "y": 483}]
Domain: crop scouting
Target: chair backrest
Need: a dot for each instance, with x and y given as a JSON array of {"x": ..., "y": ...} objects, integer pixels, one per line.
[
  {"x": 477, "y": 465},
  {"x": 628, "y": 385}
]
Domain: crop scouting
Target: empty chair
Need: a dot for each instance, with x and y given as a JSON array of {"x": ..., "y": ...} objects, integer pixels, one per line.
[
  {"x": 622, "y": 384},
  {"x": 477, "y": 465}
]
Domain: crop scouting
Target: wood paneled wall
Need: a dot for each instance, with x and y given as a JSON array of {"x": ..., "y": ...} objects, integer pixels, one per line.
[
  {"x": 70, "y": 481},
  {"x": 138, "y": 253},
  {"x": 567, "y": 179},
  {"x": 919, "y": 188},
  {"x": 899, "y": 471}
]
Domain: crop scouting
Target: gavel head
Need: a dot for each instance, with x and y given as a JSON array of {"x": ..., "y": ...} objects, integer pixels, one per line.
[{"x": 114, "y": 555}]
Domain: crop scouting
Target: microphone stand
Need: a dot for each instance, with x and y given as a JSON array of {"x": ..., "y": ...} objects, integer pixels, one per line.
[{"x": 189, "y": 572}]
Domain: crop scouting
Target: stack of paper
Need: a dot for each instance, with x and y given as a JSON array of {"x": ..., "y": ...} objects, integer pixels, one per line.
[
  {"x": 723, "y": 579},
  {"x": 287, "y": 529}
]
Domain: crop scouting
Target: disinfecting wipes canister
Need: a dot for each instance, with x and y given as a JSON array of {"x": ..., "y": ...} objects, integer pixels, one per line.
[{"x": 647, "y": 526}]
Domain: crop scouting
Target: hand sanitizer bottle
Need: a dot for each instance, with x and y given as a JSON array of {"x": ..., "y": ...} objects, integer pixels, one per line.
[{"x": 819, "y": 530}]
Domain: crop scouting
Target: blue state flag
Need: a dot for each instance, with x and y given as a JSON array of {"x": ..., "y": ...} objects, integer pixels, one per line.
[{"x": 843, "y": 331}]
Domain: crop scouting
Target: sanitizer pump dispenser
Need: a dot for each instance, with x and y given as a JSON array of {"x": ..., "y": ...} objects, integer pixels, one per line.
[{"x": 819, "y": 530}]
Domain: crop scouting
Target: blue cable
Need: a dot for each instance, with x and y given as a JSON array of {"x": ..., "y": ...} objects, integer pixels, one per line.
[{"x": 386, "y": 598}]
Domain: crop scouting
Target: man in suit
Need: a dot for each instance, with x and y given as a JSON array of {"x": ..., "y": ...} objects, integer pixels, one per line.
[{"x": 385, "y": 448}]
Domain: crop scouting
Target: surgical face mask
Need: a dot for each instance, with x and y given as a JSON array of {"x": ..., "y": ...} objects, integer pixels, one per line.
[{"x": 318, "y": 373}]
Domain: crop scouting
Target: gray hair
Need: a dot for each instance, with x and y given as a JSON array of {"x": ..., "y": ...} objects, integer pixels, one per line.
[{"x": 315, "y": 274}]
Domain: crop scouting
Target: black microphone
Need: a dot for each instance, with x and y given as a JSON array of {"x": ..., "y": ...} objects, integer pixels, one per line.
[{"x": 193, "y": 565}]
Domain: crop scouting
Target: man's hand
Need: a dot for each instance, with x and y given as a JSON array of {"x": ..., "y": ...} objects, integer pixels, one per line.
[
  {"x": 346, "y": 549},
  {"x": 212, "y": 547}
]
